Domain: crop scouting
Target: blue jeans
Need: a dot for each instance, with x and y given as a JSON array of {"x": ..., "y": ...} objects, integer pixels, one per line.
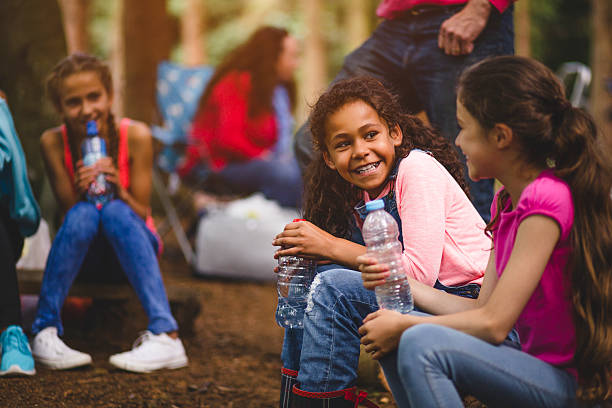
[
  {"x": 89, "y": 239},
  {"x": 434, "y": 364},
  {"x": 278, "y": 179},
  {"x": 403, "y": 54},
  {"x": 326, "y": 350}
]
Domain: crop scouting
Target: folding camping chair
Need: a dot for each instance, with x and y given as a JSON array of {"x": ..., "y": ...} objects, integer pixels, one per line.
[
  {"x": 178, "y": 93},
  {"x": 576, "y": 77}
]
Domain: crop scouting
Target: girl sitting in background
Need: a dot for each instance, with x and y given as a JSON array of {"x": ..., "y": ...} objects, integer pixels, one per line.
[
  {"x": 242, "y": 128},
  {"x": 550, "y": 269},
  {"x": 107, "y": 244}
]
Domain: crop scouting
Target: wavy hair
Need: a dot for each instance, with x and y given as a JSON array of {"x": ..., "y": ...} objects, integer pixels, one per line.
[
  {"x": 257, "y": 56},
  {"x": 328, "y": 198},
  {"x": 527, "y": 97},
  {"x": 73, "y": 64}
]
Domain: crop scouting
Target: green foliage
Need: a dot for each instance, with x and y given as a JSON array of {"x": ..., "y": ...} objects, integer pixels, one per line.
[{"x": 560, "y": 31}]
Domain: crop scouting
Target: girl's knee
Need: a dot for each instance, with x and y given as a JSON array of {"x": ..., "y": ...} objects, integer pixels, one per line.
[
  {"x": 423, "y": 338},
  {"x": 116, "y": 213},
  {"x": 114, "y": 210},
  {"x": 82, "y": 220},
  {"x": 331, "y": 285}
]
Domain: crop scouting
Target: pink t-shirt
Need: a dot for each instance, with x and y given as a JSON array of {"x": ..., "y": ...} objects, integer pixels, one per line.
[
  {"x": 545, "y": 326},
  {"x": 391, "y": 9},
  {"x": 443, "y": 233}
]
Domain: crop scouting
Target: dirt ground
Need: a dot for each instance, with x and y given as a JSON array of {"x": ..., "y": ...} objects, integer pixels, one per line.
[{"x": 233, "y": 354}]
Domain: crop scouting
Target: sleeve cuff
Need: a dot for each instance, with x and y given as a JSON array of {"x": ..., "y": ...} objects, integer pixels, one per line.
[{"x": 501, "y": 5}]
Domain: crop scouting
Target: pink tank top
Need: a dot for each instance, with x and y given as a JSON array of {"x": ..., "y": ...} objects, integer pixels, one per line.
[{"x": 123, "y": 164}]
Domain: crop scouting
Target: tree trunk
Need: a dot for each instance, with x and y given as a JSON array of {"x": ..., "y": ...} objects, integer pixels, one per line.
[
  {"x": 522, "y": 28},
  {"x": 32, "y": 42},
  {"x": 314, "y": 58},
  {"x": 601, "y": 65},
  {"x": 143, "y": 40},
  {"x": 193, "y": 23},
  {"x": 75, "y": 16},
  {"x": 357, "y": 27}
]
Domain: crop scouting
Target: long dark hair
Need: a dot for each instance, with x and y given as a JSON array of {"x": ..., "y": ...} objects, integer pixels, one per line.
[
  {"x": 527, "y": 97},
  {"x": 329, "y": 198},
  {"x": 258, "y": 56},
  {"x": 72, "y": 64}
]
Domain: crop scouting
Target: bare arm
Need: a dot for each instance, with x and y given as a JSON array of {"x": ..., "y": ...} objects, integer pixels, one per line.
[
  {"x": 496, "y": 313},
  {"x": 305, "y": 238},
  {"x": 425, "y": 297},
  {"x": 52, "y": 150},
  {"x": 138, "y": 196}
]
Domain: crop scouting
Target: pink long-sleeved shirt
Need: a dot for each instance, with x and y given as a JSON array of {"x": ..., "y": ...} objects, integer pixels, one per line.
[{"x": 442, "y": 231}]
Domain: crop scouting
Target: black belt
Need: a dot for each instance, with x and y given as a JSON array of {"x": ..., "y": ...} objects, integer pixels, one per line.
[{"x": 429, "y": 9}]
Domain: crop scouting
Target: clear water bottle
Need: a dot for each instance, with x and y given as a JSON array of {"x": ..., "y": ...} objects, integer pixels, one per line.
[
  {"x": 380, "y": 233},
  {"x": 93, "y": 148},
  {"x": 295, "y": 274}
]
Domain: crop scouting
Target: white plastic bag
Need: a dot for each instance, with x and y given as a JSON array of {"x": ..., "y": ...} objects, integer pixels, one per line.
[{"x": 235, "y": 240}]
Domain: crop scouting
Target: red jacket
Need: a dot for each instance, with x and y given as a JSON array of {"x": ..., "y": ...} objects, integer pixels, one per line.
[{"x": 223, "y": 132}]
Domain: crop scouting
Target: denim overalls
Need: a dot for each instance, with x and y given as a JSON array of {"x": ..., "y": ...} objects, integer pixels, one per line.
[
  {"x": 471, "y": 290},
  {"x": 292, "y": 345}
]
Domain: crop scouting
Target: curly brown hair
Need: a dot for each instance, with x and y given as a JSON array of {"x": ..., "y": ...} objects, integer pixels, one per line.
[
  {"x": 328, "y": 198},
  {"x": 526, "y": 96},
  {"x": 72, "y": 64},
  {"x": 257, "y": 56}
]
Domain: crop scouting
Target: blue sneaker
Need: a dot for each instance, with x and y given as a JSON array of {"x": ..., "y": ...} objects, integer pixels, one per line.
[{"x": 16, "y": 353}]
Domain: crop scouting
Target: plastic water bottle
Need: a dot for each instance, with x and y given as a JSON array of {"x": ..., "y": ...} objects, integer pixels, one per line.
[
  {"x": 380, "y": 233},
  {"x": 93, "y": 148},
  {"x": 295, "y": 274}
]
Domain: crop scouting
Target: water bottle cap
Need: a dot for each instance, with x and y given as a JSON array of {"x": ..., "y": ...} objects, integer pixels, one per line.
[
  {"x": 375, "y": 205},
  {"x": 92, "y": 128},
  {"x": 298, "y": 219}
]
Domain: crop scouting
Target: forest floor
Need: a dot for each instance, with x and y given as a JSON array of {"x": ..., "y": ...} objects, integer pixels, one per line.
[{"x": 233, "y": 354}]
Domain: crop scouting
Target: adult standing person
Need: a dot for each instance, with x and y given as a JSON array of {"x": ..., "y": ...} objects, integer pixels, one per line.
[
  {"x": 418, "y": 52},
  {"x": 19, "y": 217}
]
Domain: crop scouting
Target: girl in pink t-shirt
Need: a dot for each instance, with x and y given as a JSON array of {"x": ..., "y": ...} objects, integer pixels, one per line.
[{"x": 550, "y": 269}]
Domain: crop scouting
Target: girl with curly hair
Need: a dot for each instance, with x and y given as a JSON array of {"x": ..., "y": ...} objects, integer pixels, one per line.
[{"x": 367, "y": 149}]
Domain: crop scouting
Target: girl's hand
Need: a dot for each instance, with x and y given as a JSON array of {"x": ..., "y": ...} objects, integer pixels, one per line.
[
  {"x": 373, "y": 274},
  {"x": 83, "y": 177},
  {"x": 381, "y": 331},
  {"x": 303, "y": 239},
  {"x": 105, "y": 165}
]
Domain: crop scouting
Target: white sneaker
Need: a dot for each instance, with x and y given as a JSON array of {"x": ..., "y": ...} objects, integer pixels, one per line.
[
  {"x": 49, "y": 350},
  {"x": 151, "y": 352}
]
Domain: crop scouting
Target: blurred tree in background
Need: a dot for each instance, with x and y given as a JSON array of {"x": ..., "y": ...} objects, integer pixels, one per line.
[
  {"x": 32, "y": 42},
  {"x": 136, "y": 35}
]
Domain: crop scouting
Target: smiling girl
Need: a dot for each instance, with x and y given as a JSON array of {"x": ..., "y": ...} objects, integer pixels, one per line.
[
  {"x": 107, "y": 244},
  {"x": 368, "y": 150}
]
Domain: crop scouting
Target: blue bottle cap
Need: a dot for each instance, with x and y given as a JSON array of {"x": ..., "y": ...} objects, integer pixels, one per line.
[
  {"x": 375, "y": 205},
  {"x": 92, "y": 128}
]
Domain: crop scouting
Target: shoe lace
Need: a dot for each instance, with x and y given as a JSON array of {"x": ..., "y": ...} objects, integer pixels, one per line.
[
  {"x": 358, "y": 399},
  {"x": 14, "y": 338},
  {"x": 142, "y": 338}
]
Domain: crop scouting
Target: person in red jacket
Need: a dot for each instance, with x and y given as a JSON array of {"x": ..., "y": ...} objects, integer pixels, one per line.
[{"x": 243, "y": 124}]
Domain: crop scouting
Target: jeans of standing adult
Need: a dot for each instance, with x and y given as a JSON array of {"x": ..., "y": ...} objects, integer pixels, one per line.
[
  {"x": 403, "y": 54},
  {"x": 100, "y": 242}
]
